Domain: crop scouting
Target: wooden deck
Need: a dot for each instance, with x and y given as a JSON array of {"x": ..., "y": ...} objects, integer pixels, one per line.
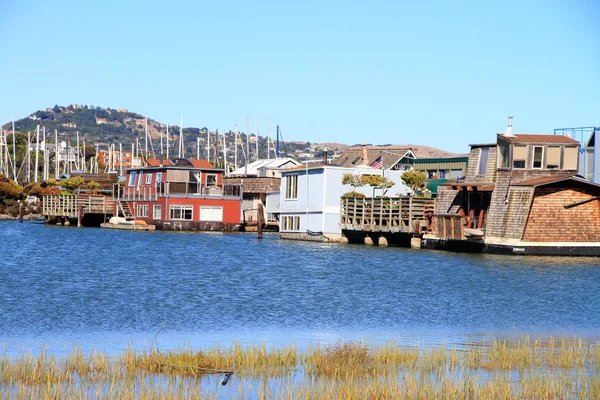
[
  {"x": 385, "y": 214},
  {"x": 73, "y": 206}
]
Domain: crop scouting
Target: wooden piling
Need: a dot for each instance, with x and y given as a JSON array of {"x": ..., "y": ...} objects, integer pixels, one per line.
[
  {"x": 20, "y": 211},
  {"x": 79, "y": 215},
  {"x": 260, "y": 220}
]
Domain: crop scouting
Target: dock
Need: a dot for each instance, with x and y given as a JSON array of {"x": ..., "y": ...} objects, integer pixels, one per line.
[
  {"x": 61, "y": 208},
  {"x": 385, "y": 219}
]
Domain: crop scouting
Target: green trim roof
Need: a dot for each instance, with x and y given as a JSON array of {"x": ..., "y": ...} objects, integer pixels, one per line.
[
  {"x": 432, "y": 160},
  {"x": 433, "y": 184}
]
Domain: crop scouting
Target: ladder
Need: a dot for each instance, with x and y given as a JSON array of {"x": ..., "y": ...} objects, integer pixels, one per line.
[{"x": 125, "y": 210}]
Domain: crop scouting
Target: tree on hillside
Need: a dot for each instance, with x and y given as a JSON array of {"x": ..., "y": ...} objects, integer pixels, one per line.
[{"x": 9, "y": 190}]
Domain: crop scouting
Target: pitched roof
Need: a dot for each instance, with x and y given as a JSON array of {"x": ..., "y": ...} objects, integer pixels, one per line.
[
  {"x": 155, "y": 162},
  {"x": 546, "y": 180},
  {"x": 273, "y": 163},
  {"x": 353, "y": 157},
  {"x": 201, "y": 164},
  {"x": 531, "y": 138}
]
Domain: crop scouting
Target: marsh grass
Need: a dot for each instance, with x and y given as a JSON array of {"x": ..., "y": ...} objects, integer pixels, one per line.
[{"x": 524, "y": 369}]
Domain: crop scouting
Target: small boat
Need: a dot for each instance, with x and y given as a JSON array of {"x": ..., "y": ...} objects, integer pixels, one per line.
[{"x": 132, "y": 225}]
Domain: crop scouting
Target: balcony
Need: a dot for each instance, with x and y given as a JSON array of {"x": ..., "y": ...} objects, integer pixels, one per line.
[{"x": 176, "y": 189}]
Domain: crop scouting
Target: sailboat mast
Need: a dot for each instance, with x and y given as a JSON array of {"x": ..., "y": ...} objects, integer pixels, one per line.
[
  {"x": 181, "y": 147},
  {"x": 56, "y": 154},
  {"x": 256, "y": 125},
  {"x": 37, "y": 153},
  {"x": 146, "y": 139},
  {"x": 247, "y": 141},
  {"x": 235, "y": 147},
  {"x": 269, "y": 139},
  {"x": 208, "y": 145},
  {"x": 167, "y": 141},
  {"x": 14, "y": 152}
]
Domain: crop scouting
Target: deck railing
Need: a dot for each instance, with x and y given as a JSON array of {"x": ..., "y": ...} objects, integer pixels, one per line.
[
  {"x": 176, "y": 189},
  {"x": 385, "y": 214},
  {"x": 71, "y": 205}
]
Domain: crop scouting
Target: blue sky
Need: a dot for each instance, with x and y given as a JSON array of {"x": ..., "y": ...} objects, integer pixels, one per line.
[{"x": 443, "y": 74}]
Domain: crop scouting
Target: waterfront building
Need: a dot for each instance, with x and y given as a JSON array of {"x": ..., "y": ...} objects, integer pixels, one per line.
[
  {"x": 397, "y": 158},
  {"x": 521, "y": 194},
  {"x": 310, "y": 196},
  {"x": 180, "y": 194}
]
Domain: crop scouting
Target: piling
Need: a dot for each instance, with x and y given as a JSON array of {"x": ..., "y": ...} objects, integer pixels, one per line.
[
  {"x": 79, "y": 215},
  {"x": 20, "y": 211},
  {"x": 368, "y": 241},
  {"x": 415, "y": 241},
  {"x": 382, "y": 241},
  {"x": 260, "y": 220}
]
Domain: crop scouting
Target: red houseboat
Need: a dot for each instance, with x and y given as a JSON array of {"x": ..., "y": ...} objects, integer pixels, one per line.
[{"x": 179, "y": 194}]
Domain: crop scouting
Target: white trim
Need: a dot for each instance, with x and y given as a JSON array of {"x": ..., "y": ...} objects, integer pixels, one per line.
[
  {"x": 182, "y": 208},
  {"x": 533, "y": 157},
  {"x": 148, "y": 179}
]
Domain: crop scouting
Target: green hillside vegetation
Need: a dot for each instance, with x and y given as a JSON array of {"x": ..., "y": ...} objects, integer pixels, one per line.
[{"x": 106, "y": 126}]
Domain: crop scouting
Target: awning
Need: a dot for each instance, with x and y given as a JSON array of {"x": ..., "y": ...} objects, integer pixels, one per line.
[{"x": 433, "y": 184}]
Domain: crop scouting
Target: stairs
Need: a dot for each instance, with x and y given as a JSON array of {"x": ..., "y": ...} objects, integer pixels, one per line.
[{"x": 125, "y": 210}]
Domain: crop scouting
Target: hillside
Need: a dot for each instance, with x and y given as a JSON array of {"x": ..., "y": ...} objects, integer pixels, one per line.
[{"x": 117, "y": 126}]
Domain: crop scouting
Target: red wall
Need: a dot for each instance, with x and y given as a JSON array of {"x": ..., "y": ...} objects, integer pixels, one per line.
[{"x": 231, "y": 208}]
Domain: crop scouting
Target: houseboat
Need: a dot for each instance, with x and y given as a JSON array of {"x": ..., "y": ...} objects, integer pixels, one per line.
[
  {"x": 179, "y": 194},
  {"x": 521, "y": 195}
]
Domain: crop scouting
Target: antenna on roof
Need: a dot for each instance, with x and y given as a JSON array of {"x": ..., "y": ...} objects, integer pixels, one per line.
[{"x": 509, "y": 129}]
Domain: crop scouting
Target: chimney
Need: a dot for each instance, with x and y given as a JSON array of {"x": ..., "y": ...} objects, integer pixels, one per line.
[
  {"x": 365, "y": 155},
  {"x": 325, "y": 156},
  {"x": 509, "y": 130}
]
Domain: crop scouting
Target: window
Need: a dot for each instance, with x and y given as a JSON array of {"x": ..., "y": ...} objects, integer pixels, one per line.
[
  {"x": 158, "y": 177},
  {"x": 519, "y": 156},
  {"x": 443, "y": 173},
  {"x": 291, "y": 187},
  {"x": 182, "y": 212},
  {"x": 157, "y": 211},
  {"x": 553, "y": 158},
  {"x": 211, "y": 214},
  {"x": 503, "y": 156},
  {"x": 570, "y": 159},
  {"x": 290, "y": 223},
  {"x": 132, "y": 176},
  {"x": 148, "y": 179},
  {"x": 142, "y": 210},
  {"x": 211, "y": 180},
  {"x": 483, "y": 158},
  {"x": 538, "y": 156},
  {"x": 141, "y": 178}
]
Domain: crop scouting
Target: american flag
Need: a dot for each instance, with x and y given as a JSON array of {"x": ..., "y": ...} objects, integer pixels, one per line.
[{"x": 377, "y": 163}]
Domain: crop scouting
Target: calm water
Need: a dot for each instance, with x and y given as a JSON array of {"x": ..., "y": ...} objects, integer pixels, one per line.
[{"x": 110, "y": 289}]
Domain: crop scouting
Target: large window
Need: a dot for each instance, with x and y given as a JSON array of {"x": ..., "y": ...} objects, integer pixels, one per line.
[
  {"x": 182, "y": 212},
  {"x": 553, "y": 158},
  {"x": 132, "y": 176},
  {"x": 503, "y": 156},
  {"x": 538, "y": 156},
  {"x": 291, "y": 187},
  {"x": 211, "y": 180},
  {"x": 214, "y": 214},
  {"x": 158, "y": 177},
  {"x": 570, "y": 160},
  {"x": 519, "y": 156},
  {"x": 483, "y": 158},
  {"x": 157, "y": 211},
  {"x": 290, "y": 223},
  {"x": 142, "y": 210}
]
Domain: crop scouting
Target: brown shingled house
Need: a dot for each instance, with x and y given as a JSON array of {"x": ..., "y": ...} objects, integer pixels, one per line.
[{"x": 521, "y": 195}]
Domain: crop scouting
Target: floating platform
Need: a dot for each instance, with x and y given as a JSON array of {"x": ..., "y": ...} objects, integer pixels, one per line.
[
  {"x": 499, "y": 246},
  {"x": 129, "y": 227}
]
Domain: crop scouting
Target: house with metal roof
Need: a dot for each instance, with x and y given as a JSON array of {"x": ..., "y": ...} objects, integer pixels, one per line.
[{"x": 521, "y": 195}]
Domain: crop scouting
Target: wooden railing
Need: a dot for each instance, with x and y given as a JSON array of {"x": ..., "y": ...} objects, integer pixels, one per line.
[
  {"x": 70, "y": 205},
  {"x": 175, "y": 189},
  {"x": 385, "y": 214}
]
